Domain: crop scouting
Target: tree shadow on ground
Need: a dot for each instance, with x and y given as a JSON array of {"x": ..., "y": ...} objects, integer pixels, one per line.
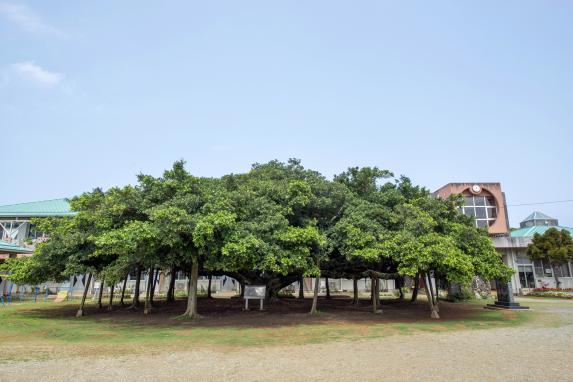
[{"x": 283, "y": 312}]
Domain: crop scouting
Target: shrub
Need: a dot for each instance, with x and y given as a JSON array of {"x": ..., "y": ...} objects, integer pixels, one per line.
[
  {"x": 552, "y": 290},
  {"x": 463, "y": 294},
  {"x": 552, "y": 293}
]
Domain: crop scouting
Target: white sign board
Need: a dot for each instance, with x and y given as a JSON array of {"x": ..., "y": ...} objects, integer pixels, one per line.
[{"x": 254, "y": 292}]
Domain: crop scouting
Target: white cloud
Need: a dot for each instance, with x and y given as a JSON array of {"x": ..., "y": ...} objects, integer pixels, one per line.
[
  {"x": 27, "y": 19},
  {"x": 38, "y": 75}
]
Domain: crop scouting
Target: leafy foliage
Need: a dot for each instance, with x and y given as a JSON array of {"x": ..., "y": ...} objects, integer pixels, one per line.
[
  {"x": 271, "y": 225},
  {"x": 554, "y": 246}
]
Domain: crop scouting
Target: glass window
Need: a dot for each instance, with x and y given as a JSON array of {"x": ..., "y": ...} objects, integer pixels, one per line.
[
  {"x": 482, "y": 223},
  {"x": 482, "y": 208},
  {"x": 562, "y": 270},
  {"x": 470, "y": 211},
  {"x": 526, "y": 278},
  {"x": 539, "y": 268},
  {"x": 480, "y": 213},
  {"x": 542, "y": 268}
]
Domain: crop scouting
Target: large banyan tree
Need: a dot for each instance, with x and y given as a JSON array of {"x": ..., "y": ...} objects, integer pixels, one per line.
[{"x": 273, "y": 225}]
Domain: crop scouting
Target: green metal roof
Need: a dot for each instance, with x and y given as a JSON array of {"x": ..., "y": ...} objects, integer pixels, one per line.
[
  {"x": 540, "y": 229},
  {"x": 9, "y": 247},
  {"x": 55, "y": 207}
]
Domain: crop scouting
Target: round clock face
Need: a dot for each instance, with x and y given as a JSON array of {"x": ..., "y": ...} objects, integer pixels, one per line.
[{"x": 476, "y": 189}]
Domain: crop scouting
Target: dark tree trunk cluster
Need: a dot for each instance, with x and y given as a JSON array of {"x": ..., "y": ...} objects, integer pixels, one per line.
[{"x": 273, "y": 286}]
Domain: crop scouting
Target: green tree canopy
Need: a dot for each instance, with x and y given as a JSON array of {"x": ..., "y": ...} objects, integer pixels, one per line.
[{"x": 554, "y": 246}]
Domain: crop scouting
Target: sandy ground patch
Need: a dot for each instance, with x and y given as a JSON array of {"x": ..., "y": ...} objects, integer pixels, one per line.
[
  {"x": 508, "y": 354},
  {"x": 533, "y": 352}
]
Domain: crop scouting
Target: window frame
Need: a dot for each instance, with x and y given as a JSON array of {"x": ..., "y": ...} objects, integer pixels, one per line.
[{"x": 488, "y": 205}]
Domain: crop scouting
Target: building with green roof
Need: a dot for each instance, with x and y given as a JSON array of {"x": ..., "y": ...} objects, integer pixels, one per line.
[
  {"x": 54, "y": 207},
  {"x": 531, "y": 274},
  {"x": 540, "y": 229},
  {"x": 17, "y": 234},
  {"x": 7, "y": 248}
]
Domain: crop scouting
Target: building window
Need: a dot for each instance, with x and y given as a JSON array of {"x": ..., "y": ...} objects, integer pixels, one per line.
[
  {"x": 523, "y": 259},
  {"x": 526, "y": 278},
  {"x": 482, "y": 208},
  {"x": 542, "y": 268},
  {"x": 33, "y": 234},
  {"x": 562, "y": 270}
]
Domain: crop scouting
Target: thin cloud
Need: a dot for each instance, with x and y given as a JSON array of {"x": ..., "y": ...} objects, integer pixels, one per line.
[
  {"x": 38, "y": 75},
  {"x": 27, "y": 19}
]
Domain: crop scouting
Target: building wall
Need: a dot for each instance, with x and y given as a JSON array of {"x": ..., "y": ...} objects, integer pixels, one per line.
[
  {"x": 500, "y": 226},
  {"x": 514, "y": 254},
  {"x": 344, "y": 285}
]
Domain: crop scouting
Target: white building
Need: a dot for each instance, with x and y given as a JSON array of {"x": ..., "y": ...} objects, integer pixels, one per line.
[{"x": 531, "y": 274}]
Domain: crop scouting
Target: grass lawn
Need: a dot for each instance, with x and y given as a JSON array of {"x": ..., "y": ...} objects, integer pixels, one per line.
[{"x": 49, "y": 330}]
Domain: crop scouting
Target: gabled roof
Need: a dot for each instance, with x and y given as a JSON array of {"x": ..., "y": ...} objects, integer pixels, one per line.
[
  {"x": 538, "y": 216},
  {"x": 54, "y": 207},
  {"x": 9, "y": 247},
  {"x": 540, "y": 229}
]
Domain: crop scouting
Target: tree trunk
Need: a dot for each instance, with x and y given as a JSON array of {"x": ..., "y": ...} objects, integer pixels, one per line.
[
  {"x": 171, "y": 290},
  {"x": 314, "y": 308},
  {"x": 148, "y": 291},
  {"x": 80, "y": 311},
  {"x": 416, "y": 287},
  {"x": 110, "y": 306},
  {"x": 376, "y": 295},
  {"x": 327, "y": 289},
  {"x": 372, "y": 286},
  {"x": 557, "y": 281},
  {"x": 191, "y": 311},
  {"x": 99, "y": 305},
  {"x": 355, "y": 290},
  {"x": 209, "y": 287},
  {"x": 136, "y": 304},
  {"x": 434, "y": 298},
  {"x": 400, "y": 284},
  {"x": 123, "y": 289},
  {"x": 153, "y": 285},
  {"x": 433, "y": 311},
  {"x": 242, "y": 286},
  {"x": 373, "y": 294},
  {"x": 301, "y": 288},
  {"x": 378, "y": 302}
]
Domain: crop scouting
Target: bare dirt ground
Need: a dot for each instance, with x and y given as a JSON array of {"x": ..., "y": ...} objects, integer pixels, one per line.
[{"x": 534, "y": 351}]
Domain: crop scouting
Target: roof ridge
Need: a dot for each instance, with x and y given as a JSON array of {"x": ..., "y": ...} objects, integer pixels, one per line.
[
  {"x": 537, "y": 215},
  {"x": 37, "y": 201}
]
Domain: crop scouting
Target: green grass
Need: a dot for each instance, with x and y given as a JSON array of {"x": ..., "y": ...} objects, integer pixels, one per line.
[{"x": 39, "y": 330}]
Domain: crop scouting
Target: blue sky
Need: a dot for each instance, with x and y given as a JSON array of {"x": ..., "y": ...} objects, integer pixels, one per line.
[{"x": 92, "y": 93}]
